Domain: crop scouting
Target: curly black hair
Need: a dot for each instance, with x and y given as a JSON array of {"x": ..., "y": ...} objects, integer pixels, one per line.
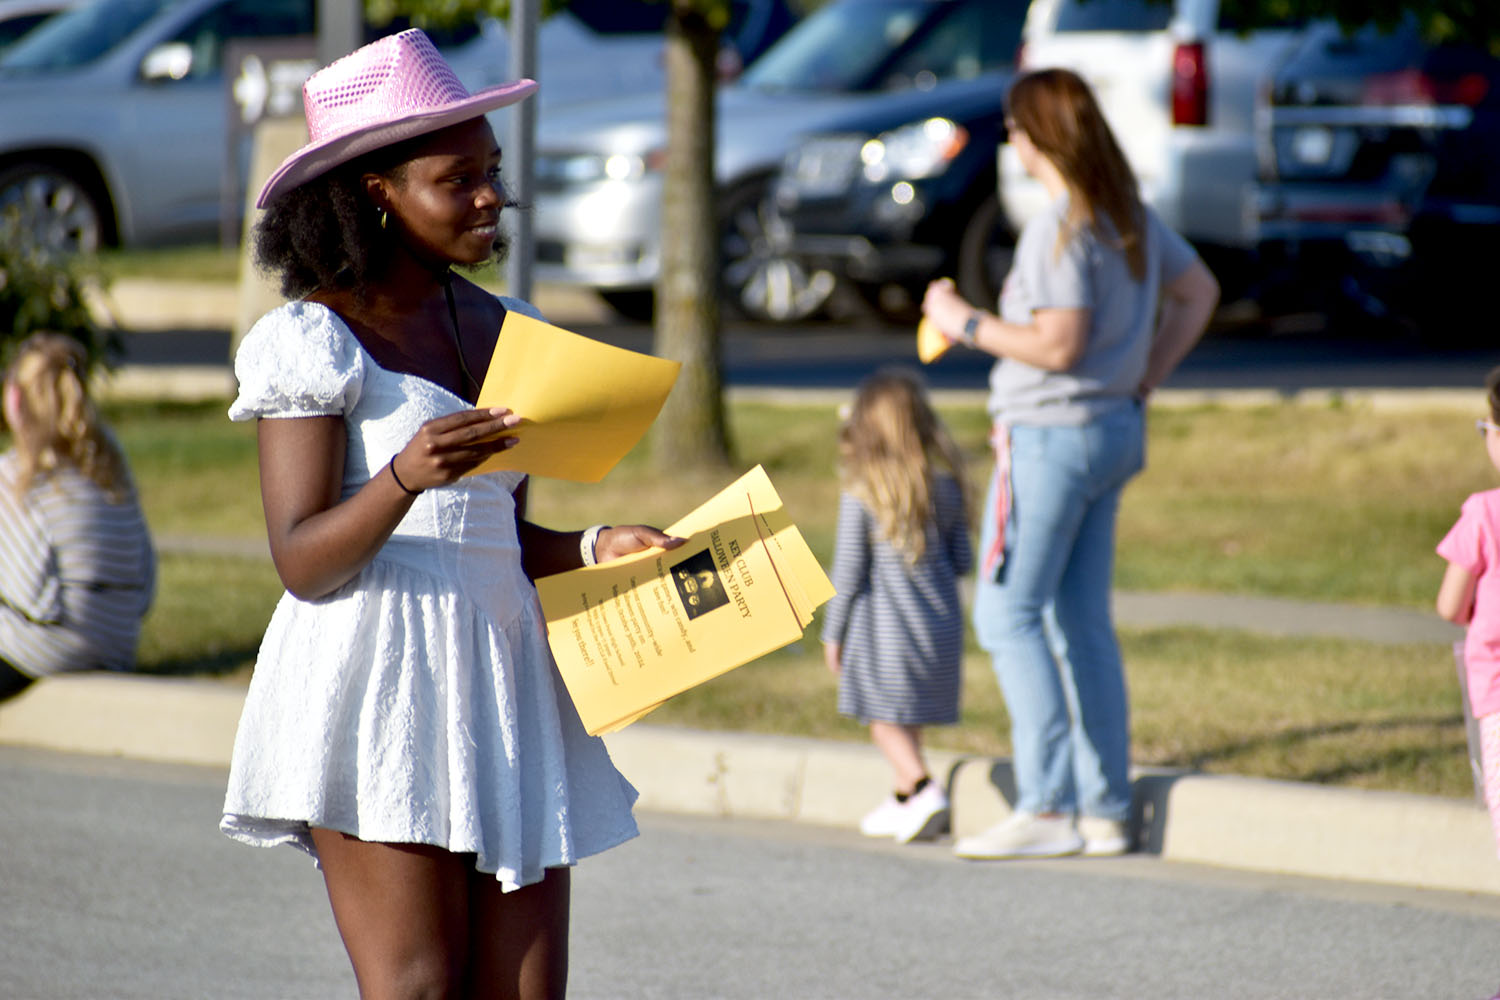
[
  {"x": 326, "y": 233},
  {"x": 322, "y": 234},
  {"x": 1492, "y": 389}
]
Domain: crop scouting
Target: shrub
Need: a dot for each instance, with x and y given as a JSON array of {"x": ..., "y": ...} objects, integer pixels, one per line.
[{"x": 44, "y": 289}]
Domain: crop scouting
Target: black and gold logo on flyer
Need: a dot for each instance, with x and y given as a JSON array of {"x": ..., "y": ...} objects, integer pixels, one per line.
[{"x": 698, "y": 584}]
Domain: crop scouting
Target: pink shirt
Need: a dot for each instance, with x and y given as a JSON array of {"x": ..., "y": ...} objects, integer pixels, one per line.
[{"x": 1474, "y": 545}]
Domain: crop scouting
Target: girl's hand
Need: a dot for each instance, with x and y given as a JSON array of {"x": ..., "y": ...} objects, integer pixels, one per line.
[
  {"x": 947, "y": 309},
  {"x": 624, "y": 539},
  {"x": 447, "y": 447},
  {"x": 833, "y": 656}
]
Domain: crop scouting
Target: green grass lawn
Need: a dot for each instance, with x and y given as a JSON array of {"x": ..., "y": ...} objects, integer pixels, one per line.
[{"x": 1334, "y": 503}]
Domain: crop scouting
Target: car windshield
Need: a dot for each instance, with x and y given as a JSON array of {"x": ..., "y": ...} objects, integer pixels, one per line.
[
  {"x": 78, "y": 36},
  {"x": 839, "y": 47}
]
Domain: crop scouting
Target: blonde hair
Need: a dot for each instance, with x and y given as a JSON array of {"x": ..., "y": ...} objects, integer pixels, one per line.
[
  {"x": 58, "y": 422},
  {"x": 890, "y": 448},
  {"x": 1058, "y": 113}
]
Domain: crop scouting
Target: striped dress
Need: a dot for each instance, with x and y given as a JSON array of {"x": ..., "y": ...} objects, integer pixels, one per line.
[
  {"x": 901, "y": 626},
  {"x": 77, "y": 574}
]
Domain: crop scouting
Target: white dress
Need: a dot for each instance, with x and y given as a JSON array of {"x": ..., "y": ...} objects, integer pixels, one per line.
[{"x": 419, "y": 702}]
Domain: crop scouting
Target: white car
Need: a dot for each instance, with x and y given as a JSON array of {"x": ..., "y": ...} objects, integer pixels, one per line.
[{"x": 1177, "y": 82}]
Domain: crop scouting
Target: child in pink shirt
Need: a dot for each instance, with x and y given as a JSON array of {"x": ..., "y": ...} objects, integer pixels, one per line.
[{"x": 1470, "y": 595}]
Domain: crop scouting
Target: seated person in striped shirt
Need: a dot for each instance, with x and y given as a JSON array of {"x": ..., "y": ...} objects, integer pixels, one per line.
[{"x": 77, "y": 569}]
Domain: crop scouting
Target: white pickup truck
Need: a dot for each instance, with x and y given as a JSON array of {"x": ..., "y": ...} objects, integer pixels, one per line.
[{"x": 1177, "y": 82}]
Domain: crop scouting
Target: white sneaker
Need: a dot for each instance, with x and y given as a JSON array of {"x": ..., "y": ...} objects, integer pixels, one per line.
[
  {"x": 923, "y": 815},
  {"x": 883, "y": 820},
  {"x": 1103, "y": 838},
  {"x": 1023, "y": 835}
]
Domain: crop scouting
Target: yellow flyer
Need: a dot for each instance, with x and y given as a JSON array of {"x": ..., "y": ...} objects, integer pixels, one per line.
[
  {"x": 583, "y": 404},
  {"x": 931, "y": 344},
  {"x": 629, "y": 634}
]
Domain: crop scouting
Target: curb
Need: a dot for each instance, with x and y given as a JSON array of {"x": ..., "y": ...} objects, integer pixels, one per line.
[{"x": 1225, "y": 821}]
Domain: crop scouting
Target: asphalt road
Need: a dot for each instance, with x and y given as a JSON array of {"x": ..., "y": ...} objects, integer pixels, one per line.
[{"x": 116, "y": 886}]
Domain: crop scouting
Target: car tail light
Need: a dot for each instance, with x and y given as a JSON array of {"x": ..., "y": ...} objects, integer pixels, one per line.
[
  {"x": 1412, "y": 86},
  {"x": 1189, "y": 85}
]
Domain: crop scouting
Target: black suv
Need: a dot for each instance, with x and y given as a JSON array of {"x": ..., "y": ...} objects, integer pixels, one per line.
[
  {"x": 1380, "y": 180},
  {"x": 902, "y": 192}
]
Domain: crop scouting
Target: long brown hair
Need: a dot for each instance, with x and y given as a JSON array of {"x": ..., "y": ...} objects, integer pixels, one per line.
[
  {"x": 58, "y": 422},
  {"x": 889, "y": 449},
  {"x": 1058, "y": 113}
]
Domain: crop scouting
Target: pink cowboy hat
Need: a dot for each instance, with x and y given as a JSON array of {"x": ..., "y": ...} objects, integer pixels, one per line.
[{"x": 392, "y": 89}]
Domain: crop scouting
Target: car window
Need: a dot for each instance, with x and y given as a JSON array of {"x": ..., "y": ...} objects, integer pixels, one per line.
[
  {"x": 14, "y": 27},
  {"x": 839, "y": 47},
  {"x": 1114, "y": 15},
  {"x": 970, "y": 39},
  {"x": 619, "y": 17},
  {"x": 239, "y": 19},
  {"x": 79, "y": 36}
]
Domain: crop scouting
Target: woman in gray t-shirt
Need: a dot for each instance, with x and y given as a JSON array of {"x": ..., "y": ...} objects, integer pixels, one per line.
[{"x": 1101, "y": 304}]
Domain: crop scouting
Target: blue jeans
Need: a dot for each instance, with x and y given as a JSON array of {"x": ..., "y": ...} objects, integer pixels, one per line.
[{"x": 1046, "y": 620}]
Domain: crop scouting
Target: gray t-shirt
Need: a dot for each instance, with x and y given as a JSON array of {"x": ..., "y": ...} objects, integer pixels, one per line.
[{"x": 1086, "y": 273}]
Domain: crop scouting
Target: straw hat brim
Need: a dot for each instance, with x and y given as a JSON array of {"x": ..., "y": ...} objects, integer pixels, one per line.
[{"x": 317, "y": 158}]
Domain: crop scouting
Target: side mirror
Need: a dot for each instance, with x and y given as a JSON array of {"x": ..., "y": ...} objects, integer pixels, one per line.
[{"x": 168, "y": 61}]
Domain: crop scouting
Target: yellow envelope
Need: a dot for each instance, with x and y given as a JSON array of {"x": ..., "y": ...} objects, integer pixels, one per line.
[
  {"x": 931, "y": 344},
  {"x": 583, "y": 404}
]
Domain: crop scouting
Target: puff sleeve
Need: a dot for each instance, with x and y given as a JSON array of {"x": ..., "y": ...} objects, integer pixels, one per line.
[{"x": 298, "y": 360}]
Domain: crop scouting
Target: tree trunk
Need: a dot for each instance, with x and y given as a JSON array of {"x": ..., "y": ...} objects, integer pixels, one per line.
[{"x": 691, "y": 432}]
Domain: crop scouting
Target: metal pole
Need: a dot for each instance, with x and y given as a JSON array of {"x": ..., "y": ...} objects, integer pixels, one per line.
[
  {"x": 520, "y": 147},
  {"x": 341, "y": 28}
]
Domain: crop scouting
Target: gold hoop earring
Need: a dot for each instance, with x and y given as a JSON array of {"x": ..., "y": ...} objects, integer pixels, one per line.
[{"x": 384, "y": 218}]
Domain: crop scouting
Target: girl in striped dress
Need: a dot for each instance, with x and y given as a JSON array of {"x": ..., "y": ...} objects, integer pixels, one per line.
[
  {"x": 77, "y": 570},
  {"x": 894, "y": 634}
]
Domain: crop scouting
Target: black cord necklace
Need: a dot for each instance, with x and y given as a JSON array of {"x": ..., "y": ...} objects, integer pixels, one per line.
[{"x": 458, "y": 337}]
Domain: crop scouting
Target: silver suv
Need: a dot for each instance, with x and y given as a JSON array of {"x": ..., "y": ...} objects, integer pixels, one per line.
[{"x": 1178, "y": 83}]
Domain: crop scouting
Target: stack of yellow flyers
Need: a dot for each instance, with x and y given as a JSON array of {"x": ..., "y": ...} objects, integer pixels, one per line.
[
  {"x": 629, "y": 634},
  {"x": 931, "y": 344},
  {"x": 583, "y": 404}
]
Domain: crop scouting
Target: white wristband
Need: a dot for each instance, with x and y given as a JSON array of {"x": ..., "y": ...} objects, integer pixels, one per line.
[{"x": 587, "y": 542}]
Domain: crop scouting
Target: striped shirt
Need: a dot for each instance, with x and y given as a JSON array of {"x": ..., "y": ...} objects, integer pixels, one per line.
[
  {"x": 901, "y": 626},
  {"x": 77, "y": 574}
]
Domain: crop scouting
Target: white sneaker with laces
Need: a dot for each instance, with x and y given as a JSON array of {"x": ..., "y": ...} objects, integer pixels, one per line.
[
  {"x": 1023, "y": 835},
  {"x": 1103, "y": 838},
  {"x": 882, "y": 821},
  {"x": 923, "y": 815}
]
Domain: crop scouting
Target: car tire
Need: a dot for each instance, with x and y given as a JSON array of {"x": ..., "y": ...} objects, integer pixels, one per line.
[
  {"x": 54, "y": 204},
  {"x": 985, "y": 251},
  {"x": 637, "y": 305},
  {"x": 760, "y": 278}
]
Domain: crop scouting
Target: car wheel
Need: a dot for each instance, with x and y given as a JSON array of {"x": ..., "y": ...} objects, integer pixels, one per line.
[
  {"x": 52, "y": 205},
  {"x": 984, "y": 253},
  {"x": 636, "y": 305},
  {"x": 761, "y": 279}
]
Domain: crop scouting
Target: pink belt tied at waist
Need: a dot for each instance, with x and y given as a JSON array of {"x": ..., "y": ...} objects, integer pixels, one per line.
[{"x": 994, "y": 556}]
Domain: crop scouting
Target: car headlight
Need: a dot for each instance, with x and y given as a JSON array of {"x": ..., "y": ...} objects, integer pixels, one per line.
[
  {"x": 921, "y": 149},
  {"x": 577, "y": 169}
]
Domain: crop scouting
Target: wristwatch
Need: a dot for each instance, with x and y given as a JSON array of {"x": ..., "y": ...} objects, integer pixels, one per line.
[{"x": 971, "y": 327}]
